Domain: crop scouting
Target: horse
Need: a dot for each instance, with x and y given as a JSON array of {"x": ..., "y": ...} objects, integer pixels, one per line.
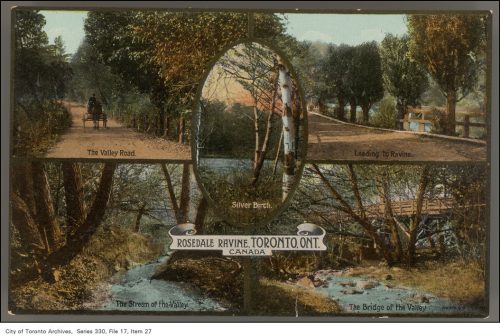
[{"x": 97, "y": 114}]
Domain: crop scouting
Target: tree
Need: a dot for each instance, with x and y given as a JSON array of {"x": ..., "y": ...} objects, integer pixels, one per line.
[
  {"x": 366, "y": 77},
  {"x": 34, "y": 214},
  {"x": 41, "y": 73},
  {"x": 149, "y": 49},
  {"x": 127, "y": 56},
  {"x": 255, "y": 68},
  {"x": 337, "y": 69},
  {"x": 386, "y": 209},
  {"x": 403, "y": 78},
  {"x": 289, "y": 121},
  {"x": 41, "y": 70},
  {"x": 449, "y": 47},
  {"x": 309, "y": 63}
]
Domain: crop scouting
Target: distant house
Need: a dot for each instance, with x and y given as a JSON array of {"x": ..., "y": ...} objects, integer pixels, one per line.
[{"x": 422, "y": 119}]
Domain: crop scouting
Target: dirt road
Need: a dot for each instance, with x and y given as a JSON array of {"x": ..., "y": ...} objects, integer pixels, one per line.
[
  {"x": 330, "y": 139},
  {"x": 114, "y": 142}
]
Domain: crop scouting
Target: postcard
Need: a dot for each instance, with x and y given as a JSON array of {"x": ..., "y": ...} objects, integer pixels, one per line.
[{"x": 238, "y": 163}]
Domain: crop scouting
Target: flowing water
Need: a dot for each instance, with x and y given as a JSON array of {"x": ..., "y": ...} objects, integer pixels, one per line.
[
  {"x": 135, "y": 291},
  {"x": 384, "y": 299}
]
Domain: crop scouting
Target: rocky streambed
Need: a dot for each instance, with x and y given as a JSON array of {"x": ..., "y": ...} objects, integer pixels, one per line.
[{"x": 365, "y": 295}]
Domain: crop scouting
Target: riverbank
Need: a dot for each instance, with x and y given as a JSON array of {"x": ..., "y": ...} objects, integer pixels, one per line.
[
  {"x": 86, "y": 277},
  {"x": 454, "y": 280},
  {"x": 222, "y": 279},
  {"x": 432, "y": 288}
]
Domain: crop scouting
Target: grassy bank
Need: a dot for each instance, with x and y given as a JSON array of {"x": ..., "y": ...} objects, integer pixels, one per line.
[
  {"x": 110, "y": 250},
  {"x": 222, "y": 279},
  {"x": 38, "y": 126},
  {"x": 458, "y": 281}
]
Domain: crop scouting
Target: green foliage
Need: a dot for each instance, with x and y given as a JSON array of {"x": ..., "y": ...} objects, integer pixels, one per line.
[
  {"x": 41, "y": 76},
  {"x": 28, "y": 26},
  {"x": 38, "y": 126},
  {"x": 230, "y": 180},
  {"x": 433, "y": 96},
  {"x": 41, "y": 71},
  {"x": 403, "y": 78},
  {"x": 338, "y": 70},
  {"x": 351, "y": 74},
  {"x": 366, "y": 75},
  {"x": 384, "y": 116},
  {"x": 221, "y": 123},
  {"x": 450, "y": 47},
  {"x": 308, "y": 60},
  {"x": 164, "y": 54}
]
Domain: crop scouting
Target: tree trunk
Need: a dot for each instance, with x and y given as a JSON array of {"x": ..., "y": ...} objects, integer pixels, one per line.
[
  {"x": 45, "y": 215},
  {"x": 278, "y": 150},
  {"x": 256, "y": 129},
  {"x": 352, "y": 111},
  {"x": 261, "y": 154},
  {"x": 160, "y": 131},
  {"x": 384, "y": 192},
  {"x": 366, "y": 113},
  {"x": 400, "y": 108},
  {"x": 321, "y": 106},
  {"x": 181, "y": 130},
  {"x": 361, "y": 219},
  {"x": 449, "y": 120},
  {"x": 422, "y": 186},
  {"x": 339, "y": 112},
  {"x": 140, "y": 212},
  {"x": 73, "y": 189},
  {"x": 23, "y": 221},
  {"x": 171, "y": 193},
  {"x": 185, "y": 193},
  {"x": 289, "y": 146},
  {"x": 77, "y": 240},
  {"x": 22, "y": 183},
  {"x": 201, "y": 213},
  {"x": 166, "y": 133}
]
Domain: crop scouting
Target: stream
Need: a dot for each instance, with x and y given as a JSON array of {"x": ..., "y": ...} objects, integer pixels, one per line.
[
  {"x": 134, "y": 291},
  {"x": 363, "y": 295}
]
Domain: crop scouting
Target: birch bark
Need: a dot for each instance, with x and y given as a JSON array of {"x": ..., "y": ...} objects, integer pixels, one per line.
[{"x": 289, "y": 145}]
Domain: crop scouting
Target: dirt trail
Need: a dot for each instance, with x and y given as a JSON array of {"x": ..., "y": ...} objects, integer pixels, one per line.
[
  {"x": 330, "y": 139},
  {"x": 114, "y": 142}
]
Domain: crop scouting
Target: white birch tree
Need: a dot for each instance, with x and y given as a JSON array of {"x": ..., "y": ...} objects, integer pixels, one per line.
[{"x": 288, "y": 122}]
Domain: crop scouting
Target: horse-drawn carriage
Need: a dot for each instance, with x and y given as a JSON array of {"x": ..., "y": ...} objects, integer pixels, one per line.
[{"x": 95, "y": 114}]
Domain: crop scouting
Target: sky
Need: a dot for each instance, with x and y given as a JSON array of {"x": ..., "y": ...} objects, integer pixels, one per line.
[
  {"x": 350, "y": 29},
  {"x": 68, "y": 24}
]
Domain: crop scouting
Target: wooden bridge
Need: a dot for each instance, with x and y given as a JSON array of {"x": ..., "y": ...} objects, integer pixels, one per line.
[{"x": 408, "y": 208}]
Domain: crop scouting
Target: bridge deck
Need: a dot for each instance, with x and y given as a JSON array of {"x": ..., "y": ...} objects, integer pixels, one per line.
[{"x": 443, "y": 206}]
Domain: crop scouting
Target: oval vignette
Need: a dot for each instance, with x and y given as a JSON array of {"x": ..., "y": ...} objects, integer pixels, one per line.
[{"x": 249, "y": 131}]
